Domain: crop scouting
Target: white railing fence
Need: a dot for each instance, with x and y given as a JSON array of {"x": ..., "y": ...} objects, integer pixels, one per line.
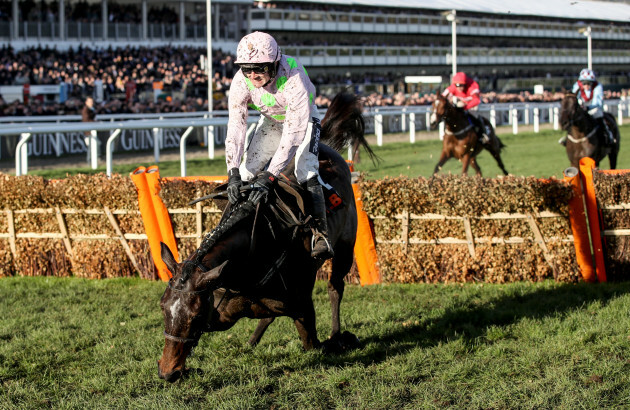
[{"x": 379, "y": 121}]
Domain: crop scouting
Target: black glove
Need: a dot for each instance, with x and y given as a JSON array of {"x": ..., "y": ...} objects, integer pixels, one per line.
[
  {"x": 261, "y": 186},
  {"x": 234, "y": 185}
]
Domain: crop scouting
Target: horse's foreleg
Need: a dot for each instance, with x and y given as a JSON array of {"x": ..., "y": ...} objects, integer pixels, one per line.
[
  {"x": 443, "y": 158},
  {"x": 475, "y": 165},
  {"x": 306, "y": 327},
  {"x": 466, "y": 160},
  {"x": 263, "y": 324},
  {"x": 612, "y": 156}
]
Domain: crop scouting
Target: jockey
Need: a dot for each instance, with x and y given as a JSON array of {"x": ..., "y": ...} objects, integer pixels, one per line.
[
  {"x": 590, "y": 96},
  {"x": 278, "y": 86},
  {"x": 465, "y": 95}
]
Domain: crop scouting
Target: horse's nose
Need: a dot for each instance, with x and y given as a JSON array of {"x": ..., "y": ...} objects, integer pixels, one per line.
[{"x": 169, "y": 377}]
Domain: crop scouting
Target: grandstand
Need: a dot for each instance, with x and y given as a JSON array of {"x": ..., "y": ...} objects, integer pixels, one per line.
[{"x": 507, "y": 44}]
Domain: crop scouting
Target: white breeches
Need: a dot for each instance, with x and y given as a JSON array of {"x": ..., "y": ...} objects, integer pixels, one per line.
[{"x": 264, "y": 142}]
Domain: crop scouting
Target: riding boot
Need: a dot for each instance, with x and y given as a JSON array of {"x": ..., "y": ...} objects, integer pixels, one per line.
[
  {"x": 320, "y": 246},
  {"x": 487, "y": 134},
  {"x": 481, "y": 129},
  {"x": 608, "y": 135}
]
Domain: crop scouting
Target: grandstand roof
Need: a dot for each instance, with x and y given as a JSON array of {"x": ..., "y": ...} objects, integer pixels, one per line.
[{"x": 571, "y": 9}]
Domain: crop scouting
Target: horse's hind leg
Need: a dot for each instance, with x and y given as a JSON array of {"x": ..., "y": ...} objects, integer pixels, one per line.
[
  {"x": 341, "y": 264},
  {"x": 497, "y": 157},
  {"x": 263, "y": 324}
]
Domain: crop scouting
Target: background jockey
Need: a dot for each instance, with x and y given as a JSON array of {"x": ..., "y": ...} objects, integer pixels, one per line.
[
  {"x": 590, "y": 95},
  {"x": 278, "y": 86},
  {"x": 464, "y": 92}
]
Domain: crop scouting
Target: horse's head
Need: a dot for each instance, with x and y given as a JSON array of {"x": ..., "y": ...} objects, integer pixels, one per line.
[
  {"x": 570, "y": 111},
  {"x": 186, "y": 304},
  {"x": 439, "y": 109}
]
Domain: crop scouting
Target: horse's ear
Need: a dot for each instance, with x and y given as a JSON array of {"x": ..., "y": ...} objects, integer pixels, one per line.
[
  {"x": 168, "y": 258},
  {"x": 214, "y": 273}
]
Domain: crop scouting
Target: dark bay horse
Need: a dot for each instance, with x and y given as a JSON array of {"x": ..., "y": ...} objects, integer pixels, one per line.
[
  {"x": 585, "y": 136},
  {"x": 261, "y": 269},
  {"x": 461, "y": 141}
]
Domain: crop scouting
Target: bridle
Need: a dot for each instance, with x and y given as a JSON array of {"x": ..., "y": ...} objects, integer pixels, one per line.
[
  {"x": 197, "y": 335},
  {"x": 448, "y": 108}
]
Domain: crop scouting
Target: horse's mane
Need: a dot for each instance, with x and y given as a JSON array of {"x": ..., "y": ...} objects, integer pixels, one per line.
[{"x": 344, "y": 125}]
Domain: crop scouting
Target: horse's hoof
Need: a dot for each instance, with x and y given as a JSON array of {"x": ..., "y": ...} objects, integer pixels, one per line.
[
  {"x": 341, "y": 343},
  {"x": 350, "y": 340}
]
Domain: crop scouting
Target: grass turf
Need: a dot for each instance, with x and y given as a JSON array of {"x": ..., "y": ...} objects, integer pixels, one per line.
[{"x": 76, "y": 343}]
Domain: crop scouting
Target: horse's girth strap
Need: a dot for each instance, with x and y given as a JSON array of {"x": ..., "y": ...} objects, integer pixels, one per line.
[{"x": 458, "y": 133}]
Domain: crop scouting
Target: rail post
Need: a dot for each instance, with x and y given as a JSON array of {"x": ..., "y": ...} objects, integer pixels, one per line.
[
  {"x": 378, "y": 129},
  {"x": 556, "y": 123},
  {"x": 109, "y": 150},
  {"x": 514, "y": 121},
  {"x": 412, "y": 127},
  {"x": 156, "y": 144},
  {"x": 526, "y": 115},
  {"x": 403, "y": 120},
  {"x": 93, "y": 149},
  {"x": 536, "y": 120}
]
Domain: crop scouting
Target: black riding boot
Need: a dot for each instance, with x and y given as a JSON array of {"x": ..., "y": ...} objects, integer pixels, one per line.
[
  {"x": 609, "y": 139},
  {"x": 320, "y": 246}
]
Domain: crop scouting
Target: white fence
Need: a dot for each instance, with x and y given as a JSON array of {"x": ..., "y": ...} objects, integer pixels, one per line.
[{"x": 379, "y": 121}]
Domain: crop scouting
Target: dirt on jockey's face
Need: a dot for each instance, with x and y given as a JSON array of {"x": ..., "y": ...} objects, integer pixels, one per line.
[{"x": 258, "y": 80}]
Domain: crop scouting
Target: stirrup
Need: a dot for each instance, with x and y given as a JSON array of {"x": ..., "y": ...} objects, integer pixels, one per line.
[
  {"x": 485, "y": 139},
  {"x": 321, "y": 253}
]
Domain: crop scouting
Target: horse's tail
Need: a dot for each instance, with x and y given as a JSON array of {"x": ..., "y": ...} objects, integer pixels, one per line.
[{"x": 344, "y": 125}]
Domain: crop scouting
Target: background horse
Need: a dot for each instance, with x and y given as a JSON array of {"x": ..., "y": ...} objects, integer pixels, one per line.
[
  {"x": 460, "y": 138},
  {"x": 261, "y": 269},
  {"x": 585, "y": 136}
]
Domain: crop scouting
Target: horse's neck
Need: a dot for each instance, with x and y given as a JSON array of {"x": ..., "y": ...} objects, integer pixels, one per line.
[
  {"x": 585, "y": 124},
  {"x": 454, "y": 119}
]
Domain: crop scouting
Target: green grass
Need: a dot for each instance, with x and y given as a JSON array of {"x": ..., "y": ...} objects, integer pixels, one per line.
[
  {"x": 75, "y": 343},
  {"x": 526, "y": 154}
]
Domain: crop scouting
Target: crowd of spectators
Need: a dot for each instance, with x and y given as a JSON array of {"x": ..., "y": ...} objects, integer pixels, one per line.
[
  {"x": 122, "y": 80},
  {"x": 84, "y": 12}
]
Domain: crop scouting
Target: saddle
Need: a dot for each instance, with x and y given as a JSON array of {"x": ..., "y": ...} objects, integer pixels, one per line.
[{"x": 288, "y": 203}]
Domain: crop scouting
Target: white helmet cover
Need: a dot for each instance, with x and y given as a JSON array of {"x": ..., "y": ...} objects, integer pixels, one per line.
[
  {"x": 257, "y": 48},
  {"x": 586, "y": 75}
]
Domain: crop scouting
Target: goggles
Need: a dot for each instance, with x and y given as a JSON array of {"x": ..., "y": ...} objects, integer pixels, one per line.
[
  {"x": 256, "y": 68},
  {"x": 460, "y": 85},
  {"x": 586, "y": 82}
]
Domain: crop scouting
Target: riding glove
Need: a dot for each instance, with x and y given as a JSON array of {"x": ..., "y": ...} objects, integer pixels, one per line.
[
  {"x": 261, "y": 186},
  {"x": 234, "y": 185}
]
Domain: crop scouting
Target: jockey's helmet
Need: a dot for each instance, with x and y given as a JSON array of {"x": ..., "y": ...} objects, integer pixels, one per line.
[
  {"x": 586, "y": 75},
  {"x": 257, "y": 48},
  {"x": 460, "y": 78}
]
